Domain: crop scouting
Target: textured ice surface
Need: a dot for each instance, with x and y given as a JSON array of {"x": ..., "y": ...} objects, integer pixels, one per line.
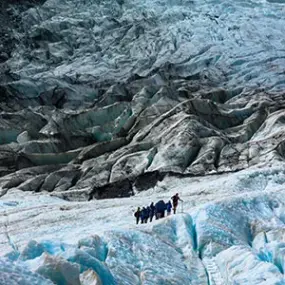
[
  {"x": 16, "y": 274},
  {"x": 232, "y": 42},
  {"x": 122, "y": 89},
  {"x": 231, "y": 232},
  {"x": 113, "y": 90}
]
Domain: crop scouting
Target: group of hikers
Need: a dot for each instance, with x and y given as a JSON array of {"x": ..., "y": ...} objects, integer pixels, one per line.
[{"x": 157, "y": 210}]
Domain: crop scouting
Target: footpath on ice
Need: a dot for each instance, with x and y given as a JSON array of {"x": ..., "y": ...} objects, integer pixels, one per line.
[{"x": 231, "y": 232}]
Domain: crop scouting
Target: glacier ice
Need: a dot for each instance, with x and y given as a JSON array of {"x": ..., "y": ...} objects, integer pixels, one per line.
[
  {"x": 135, "y": 101},
  {"x": 14, "y": 274},
  {"x": 228, "y": 234}
]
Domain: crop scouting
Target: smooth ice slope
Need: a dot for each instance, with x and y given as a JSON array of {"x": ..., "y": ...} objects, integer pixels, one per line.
[{"x": 231, "y": 232}]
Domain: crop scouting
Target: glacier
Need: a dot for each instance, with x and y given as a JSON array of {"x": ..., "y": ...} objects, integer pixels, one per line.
[
  {"x": 231, "y": 231},
  {"x": 222, "y": 41},
  {"x": 109, "y": 105},
  {"x": 106, "y": 95}
]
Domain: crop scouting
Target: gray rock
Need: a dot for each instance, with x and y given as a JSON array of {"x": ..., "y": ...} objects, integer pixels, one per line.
[
  {"x": 122, "y": 188},
  {"x": 33, "y": 184},
  {"x": 62, "y": 179},
  {"x": 98, "y": 149}
]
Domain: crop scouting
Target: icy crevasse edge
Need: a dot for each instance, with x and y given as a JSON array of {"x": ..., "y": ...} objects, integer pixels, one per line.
[{"x": 239, "y": 240}]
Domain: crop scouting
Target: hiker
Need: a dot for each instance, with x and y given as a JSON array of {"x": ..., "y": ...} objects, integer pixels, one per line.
[
  {"x": 147, "y": 213},
  {"x": 160, "y": 208},
  {"x": 137, "y": 214},
  {"x": 151, "y": 212},
  {"x": 168, "y": 207},
  {"x": 143, "y": 215},
  {"x": 175, "y": 200}
]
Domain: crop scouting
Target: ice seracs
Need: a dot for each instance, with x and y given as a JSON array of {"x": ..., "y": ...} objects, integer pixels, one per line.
[
  {"x": 231, "y": 231},
  {"x": 110, "y": 105}
]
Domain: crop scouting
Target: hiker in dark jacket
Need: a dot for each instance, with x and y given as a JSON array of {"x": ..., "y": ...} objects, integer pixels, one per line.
[
  {"x": 160, "y": 208},
  {"x": 137, "y": 214},
  {"x": 152, "y": 212},
  {"x": 175, "y": 200},
  {"x": 143, "y": 215},
  {"x": 168, "y": 207},
  {"x": 147, "y": 212}
]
